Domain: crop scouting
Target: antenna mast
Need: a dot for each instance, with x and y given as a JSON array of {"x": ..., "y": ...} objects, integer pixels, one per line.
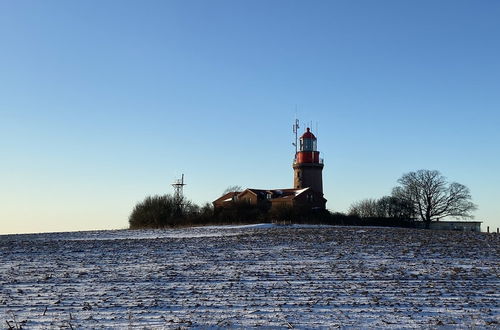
[
  {"x": 296, "y": 132},
  {"x": 178, "y": 192}
]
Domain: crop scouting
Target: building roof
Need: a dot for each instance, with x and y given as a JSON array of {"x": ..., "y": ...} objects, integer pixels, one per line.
[
  {"x": 228, "y": 197},
  {"x": 273, "y": 195},
  {"x": 308, "y": 135},
  {"x": 278, "y": 193}
]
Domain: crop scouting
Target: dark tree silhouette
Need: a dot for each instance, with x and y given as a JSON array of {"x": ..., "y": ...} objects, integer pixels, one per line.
[
  {"x": 154, "y": 212},
  {"x": 393, "y": 207},
  {"x": 232, "y": 188},
  {"x": 433, "y": 197},
  {"x": 385, "y": 207},
  {"x": 365, "y": 208}
]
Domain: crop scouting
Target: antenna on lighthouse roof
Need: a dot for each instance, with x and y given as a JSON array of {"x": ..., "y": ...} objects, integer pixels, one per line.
[{"x": 296, "y": 132}]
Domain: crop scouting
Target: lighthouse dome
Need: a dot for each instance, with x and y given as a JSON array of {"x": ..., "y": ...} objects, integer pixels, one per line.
[{"x": 308, "y": 135}]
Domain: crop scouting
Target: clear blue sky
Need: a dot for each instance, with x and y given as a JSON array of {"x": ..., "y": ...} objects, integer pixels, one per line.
[{"x": 105, "y": 102}]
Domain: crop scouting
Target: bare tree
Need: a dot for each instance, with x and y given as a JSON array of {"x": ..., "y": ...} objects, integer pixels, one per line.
[
  {"x": 232, "y": 188},
  {"x": 365, "y": 208},
  {"x": 385, "y": 207},
  {"x": 393, "y": 207},
  {"x": 433, "y": 197}
]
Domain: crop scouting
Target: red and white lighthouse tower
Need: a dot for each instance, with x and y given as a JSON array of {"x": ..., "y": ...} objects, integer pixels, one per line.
[{"x": 307, "y": 166}]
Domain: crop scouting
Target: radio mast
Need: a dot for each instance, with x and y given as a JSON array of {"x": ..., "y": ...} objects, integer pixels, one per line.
[
  {"x": 296, "y": 132},
  {"x": 179, "y": 192}
]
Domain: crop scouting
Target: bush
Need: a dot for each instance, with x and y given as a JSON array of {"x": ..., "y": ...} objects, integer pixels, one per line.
[
  {"x": 154, "y": 212},
  {"x": 162, "y": 212},
  {"x": 241, "y": 212}
]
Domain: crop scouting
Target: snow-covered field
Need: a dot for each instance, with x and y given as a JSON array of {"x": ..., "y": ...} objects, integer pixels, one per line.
[{"x": 272, "y": 276}]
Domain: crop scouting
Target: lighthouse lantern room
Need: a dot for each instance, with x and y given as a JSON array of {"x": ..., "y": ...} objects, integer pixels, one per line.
[{"x": 308, "y": 152}]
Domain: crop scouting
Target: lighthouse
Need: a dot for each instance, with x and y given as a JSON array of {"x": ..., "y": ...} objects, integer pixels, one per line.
[
  {"x": 307, "y": 191},
  {"x": 307, "y": 166}
]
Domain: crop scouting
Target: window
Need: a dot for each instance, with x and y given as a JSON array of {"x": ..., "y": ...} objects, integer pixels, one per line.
[{"x": 306, "y": 145}]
